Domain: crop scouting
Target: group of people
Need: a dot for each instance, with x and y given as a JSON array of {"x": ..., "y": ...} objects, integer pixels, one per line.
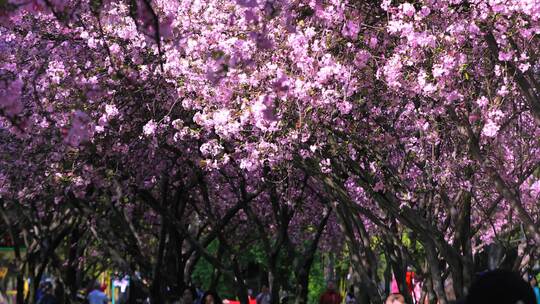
[
  {"x": 46, "y": 294},
  {"x": 193, "y": 295},
  {"x": 498, "y": 286}
]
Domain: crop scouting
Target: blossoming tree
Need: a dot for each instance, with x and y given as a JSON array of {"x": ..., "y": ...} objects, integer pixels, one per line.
[{"x": 419, "y": 116}]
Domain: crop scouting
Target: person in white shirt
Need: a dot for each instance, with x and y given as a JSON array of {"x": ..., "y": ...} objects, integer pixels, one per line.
[{"x": 97, "y": 296}]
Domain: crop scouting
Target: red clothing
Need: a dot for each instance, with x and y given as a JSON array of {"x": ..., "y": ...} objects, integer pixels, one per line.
[
  {"x": 251, "y": 301},
  {"x": 330, "y": 297},
  {"x": 409, "y": 277}
]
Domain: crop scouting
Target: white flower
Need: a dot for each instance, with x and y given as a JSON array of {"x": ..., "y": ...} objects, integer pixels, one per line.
[
  {"x": 524, "y": 67},
  {"x": 111, "y": 110},
  {"x": 221, "y": 117},
  {"x": 149, "y": 128},
  {"x": 177, "y": 124}
]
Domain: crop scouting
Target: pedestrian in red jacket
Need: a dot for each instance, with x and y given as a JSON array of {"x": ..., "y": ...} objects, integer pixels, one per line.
[{"x": 330, "y": 296}]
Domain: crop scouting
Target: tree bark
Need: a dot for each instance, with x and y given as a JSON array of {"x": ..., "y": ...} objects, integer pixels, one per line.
[
  {"x": 359, "y": 261},
  {"x": 436, "y": 275},
  {"x": 155, "y": 288}
]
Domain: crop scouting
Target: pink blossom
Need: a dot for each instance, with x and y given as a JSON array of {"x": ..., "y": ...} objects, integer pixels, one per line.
[
  {"x": 350, "y": 30},
  {"x": 490, "y": 129},
  {"x": 535, "y": 189},
  {"x": 379, "y": 186},
  {"x": 251, "y": 16},
  {"x": 407, "y": 9},
  {"x": 247, "y": 3},
  {"x": 385, "y": 5},
  {"x": 111, "y": 110},
  {"x": 524, "y": 67},
  {"x": 425, "y": 11},
  {"x": 325, "y": 166},
  {"x": 81, "y": 129},
  {"x": 149, "y": 128},
  {"x": 482, "y": 101},
  {"x": 453, "y": 96},
  {"x": 115, "y": 48},
  {"x": 392, "y": 71},
  {"x": 211, "y": 148},
  {"x": 473, "y": 118},
  {"x": 261, "y": 40},
  {"x": 361, "y": 58},
  {"x": 263, "y": 111},
  {"x": 56, "y": 71},
  {"x": 10, "y": 98},
  {"x": 506, "y": 56},
  {"x": 344, "y": 107},
  {"x": 221, "y": 117}
]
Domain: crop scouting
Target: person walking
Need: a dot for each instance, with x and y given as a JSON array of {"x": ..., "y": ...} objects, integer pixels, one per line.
[
  {"x": 200, "y": 292},
  {"x": 96, "y": 296},
  {"x": 189, "y": 296},
  {"x": 264, "y": 296},
  {"x": 39, "y": 291},
  {"x": 330, "y": 296},
  {"x": 395, "y": 298},
  {"x": 500, "y": 286},
  {"x": 536, "y": 289},
  {"x": 48, "y": 296},
  {"x": 211, "y": 297},
  {"x": 350, "y": 298}
]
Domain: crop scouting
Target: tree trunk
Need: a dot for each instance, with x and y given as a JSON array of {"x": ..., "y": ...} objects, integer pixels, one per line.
[
  {"x": 360, "y": 262},
  {"x": 20, "y": 287},
  {"x": 302, "y": 283},
  {"x": 71, "y": 271},
  {"x": 466, "y": 247},
  {"x": 190, "y": 265},
  {"x": 399, "y": 273},
  {"x": 309, "y": 256},
  {"x": 274, "y": 283},
  {"x": 436, "y": 275},
  {"x": 240, "y": 285},
  {"x": 155, "y": 288},
  {"x": 215, "y": 279},
  {"x": 330, "y": 267},
  {"x": 397, "y": 261}
]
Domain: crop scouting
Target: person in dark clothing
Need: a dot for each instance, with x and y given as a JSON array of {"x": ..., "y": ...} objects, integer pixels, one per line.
[
  {"x": 59, "y": 292},
  {"x": 39, "y": 291},
  {"x": 189, "y": 296},
  {"x": 137, "y": 292},
  {"x": 211, "y": 297},
  {"x": 48, "y": 297},
  {"x": 501, "y": 287}
]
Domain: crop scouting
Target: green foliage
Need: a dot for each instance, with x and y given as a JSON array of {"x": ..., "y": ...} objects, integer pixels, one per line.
[
  {"x": 254, "y": 254},
  {"x": 316, "y": 280},
  {"x": 226, "y": 289},
  {"x": 204, "y": 272}
]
